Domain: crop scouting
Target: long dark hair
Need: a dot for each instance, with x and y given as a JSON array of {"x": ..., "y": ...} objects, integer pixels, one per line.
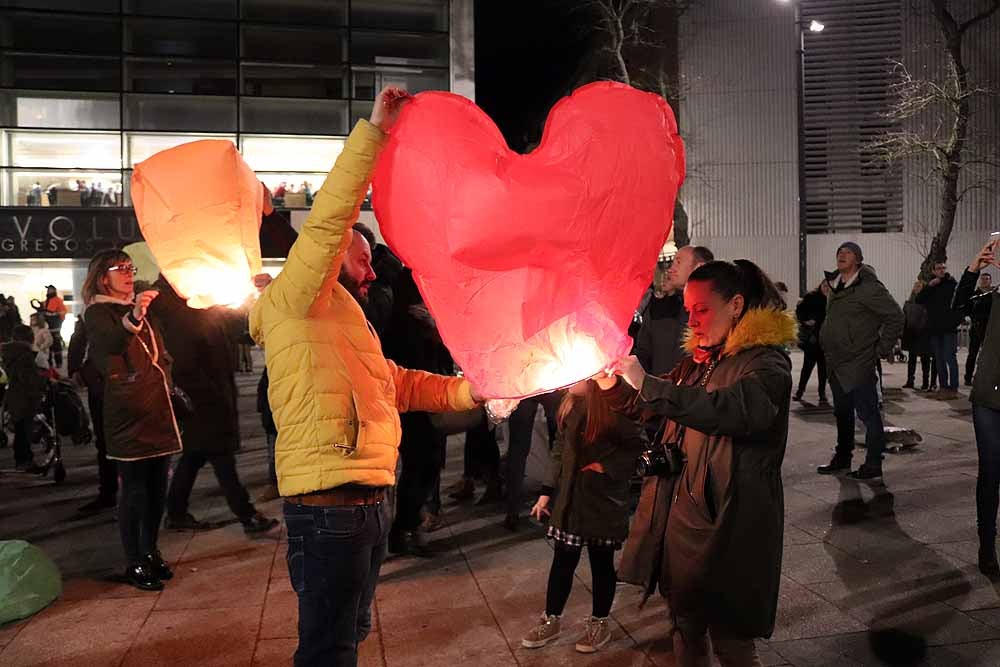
[
  {"x": 93, "y": 284},
  {"x": 599, "y": 416},
  {"x": 741, "y": 277}
]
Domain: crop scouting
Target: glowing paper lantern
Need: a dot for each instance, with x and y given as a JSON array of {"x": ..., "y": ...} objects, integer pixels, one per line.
[
  {"x": 147, "y": 270},
  {"x": 532, "y": 265},
  {"x": 199, "y": 209}
]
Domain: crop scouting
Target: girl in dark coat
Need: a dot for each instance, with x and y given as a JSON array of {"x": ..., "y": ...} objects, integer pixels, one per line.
[
  {"x": 592, "y": 461},
  {"x": 140, "y": 428},
  {"x": 810, "y": 313},
  {"x": 711, "y": 536}
]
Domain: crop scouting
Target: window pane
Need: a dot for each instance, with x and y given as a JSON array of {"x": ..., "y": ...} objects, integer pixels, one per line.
[
  {"x": 368, "y": 81},
  {"x": 386, "y": 48},
  {"x": 159, "y": 37},
  {"x": 305, "y": 12},
  {"x": 61, "y": 72},
  {"x": 294, "y": 80},
  {"x": 360, "y": 110},
  {"x": 143, "y": 146},
  {"x": 293, "y": 116},
  {"x": 64, "y": 188},
  {"x": 64, "y": 5},
  {"x": 60, "y": 34},
  {"x": 66, "y": 149},
  {"x": 208, "y": 9},
  {"x": 401, "y": 14},
  {"x": 291, "y": 154},
  {"x": 90, "y": 113},
  {"x": 180, "y": 112},
  {"x": 292, "y": 190},
  {"x": 146, "y": 75},
  {"x": 293, "y": 44}
]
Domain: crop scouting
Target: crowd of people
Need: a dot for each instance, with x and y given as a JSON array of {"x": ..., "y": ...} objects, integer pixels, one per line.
[{"x": 359, "y": 394}]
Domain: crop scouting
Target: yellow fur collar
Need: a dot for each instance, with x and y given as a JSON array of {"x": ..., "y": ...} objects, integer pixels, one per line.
[{"x": 759, "y": 327}]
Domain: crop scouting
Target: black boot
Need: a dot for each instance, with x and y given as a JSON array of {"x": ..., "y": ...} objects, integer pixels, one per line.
[
  {"x": 142, "y": 577},
  {"x": 837, "y": 464},
  {"x": 258, "y": 523},
  {"x": 988, "y": 555},
  {"x": 408, "y": 543},
  {"x": 158, "y": 566}
]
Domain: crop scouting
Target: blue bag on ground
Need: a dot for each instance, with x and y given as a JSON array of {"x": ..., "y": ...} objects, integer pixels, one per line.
[{"x": 29, "y": 580}]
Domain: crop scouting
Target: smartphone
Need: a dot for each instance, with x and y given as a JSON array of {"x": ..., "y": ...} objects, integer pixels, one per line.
[{"x": 995, "y": 239}]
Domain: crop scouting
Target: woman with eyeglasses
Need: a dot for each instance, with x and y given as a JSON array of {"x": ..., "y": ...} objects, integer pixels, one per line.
[{"x": 140, "y": 428}]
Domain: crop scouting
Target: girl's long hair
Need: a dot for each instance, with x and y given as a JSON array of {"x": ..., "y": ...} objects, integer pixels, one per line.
[
  {"x": 93, "y": 284},
  {"x": 599, "y": 417}
]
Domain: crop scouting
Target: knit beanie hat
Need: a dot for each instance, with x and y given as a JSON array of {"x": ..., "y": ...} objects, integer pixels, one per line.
[{"x": 853, "y": 247}]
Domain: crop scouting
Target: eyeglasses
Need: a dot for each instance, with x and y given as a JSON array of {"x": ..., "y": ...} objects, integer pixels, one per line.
[{"x": 124, "y": 267}]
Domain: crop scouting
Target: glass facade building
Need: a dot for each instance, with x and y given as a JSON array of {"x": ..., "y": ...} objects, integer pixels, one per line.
[{"x": 88, "y": 89}]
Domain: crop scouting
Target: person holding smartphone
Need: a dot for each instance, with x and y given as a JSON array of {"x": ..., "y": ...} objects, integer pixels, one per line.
[{"x": 985, "y": 398}]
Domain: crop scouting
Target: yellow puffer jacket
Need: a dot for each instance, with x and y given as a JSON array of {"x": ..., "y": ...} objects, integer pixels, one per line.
[{"x": 336, "y": 399}]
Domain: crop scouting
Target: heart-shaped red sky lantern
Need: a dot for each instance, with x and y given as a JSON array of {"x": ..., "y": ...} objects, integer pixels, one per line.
[{"x": 532, "y": 265}]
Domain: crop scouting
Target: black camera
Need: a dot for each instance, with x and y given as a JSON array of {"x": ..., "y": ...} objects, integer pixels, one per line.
[{"x": 662, "y": 461}]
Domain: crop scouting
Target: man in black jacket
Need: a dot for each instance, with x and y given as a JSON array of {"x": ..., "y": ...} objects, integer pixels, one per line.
[
  {"x": 942, "y": 325},
  {"x": 979, "y": 311}
]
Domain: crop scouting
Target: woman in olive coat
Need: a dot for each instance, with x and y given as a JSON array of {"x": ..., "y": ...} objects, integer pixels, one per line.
[{"x": 711, "y": 537}]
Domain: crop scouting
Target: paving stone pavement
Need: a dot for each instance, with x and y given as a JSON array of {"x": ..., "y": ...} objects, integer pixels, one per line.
[{"x": 867, "y": 568}]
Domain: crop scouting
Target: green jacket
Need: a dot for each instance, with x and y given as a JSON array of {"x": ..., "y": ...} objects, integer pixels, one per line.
[
  {"x": 139, "y": 419},
  {"x": 593, "y": 504},
  {"x": 986, "y": 385},
  {"x": 863, "y": 322}
]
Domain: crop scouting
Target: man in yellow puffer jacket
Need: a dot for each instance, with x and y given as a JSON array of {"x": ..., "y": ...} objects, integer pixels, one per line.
[{"x": 336, "y": 402}]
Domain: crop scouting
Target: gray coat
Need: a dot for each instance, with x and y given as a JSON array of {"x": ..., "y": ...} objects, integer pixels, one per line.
[
  {"x": 863, "y": 322},
  {"x": 712, "y": 538}
]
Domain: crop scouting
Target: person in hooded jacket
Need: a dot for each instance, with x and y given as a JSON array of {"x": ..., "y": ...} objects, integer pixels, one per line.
[
  {"x": 810, "y": 314},
  {"x": 710, "y": 534},
  {"x": 25, "y": 392},
  {"x": 199, "y": 342},
  {"x": 140, "y": 428},
  {"x": 592, "y": 462}
]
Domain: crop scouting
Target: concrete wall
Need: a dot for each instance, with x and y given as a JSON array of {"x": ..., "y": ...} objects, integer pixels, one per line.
[{"x": 740, "y": 125}]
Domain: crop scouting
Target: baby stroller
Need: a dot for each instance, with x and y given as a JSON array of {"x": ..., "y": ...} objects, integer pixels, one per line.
[{"x": 62, "y": 414}]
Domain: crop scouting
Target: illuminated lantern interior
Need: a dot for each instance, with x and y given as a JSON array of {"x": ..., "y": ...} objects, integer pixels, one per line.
[
  {"x": 199, "y": 209},
  {"x": 532, "y": 265}
]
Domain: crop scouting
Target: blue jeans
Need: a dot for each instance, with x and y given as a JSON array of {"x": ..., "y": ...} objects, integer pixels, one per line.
[
  {"x": 334, "y": 557},
  {"x": 945, "y": 350},
  {"x": 987, "y": 424},
  {"x": 864, "y": 400}
]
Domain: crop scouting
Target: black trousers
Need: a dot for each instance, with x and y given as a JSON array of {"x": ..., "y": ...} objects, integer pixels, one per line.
[
  {"x": 107, "y": 470},
  {"x": 224, "y": 465},
  {"x": 521, "y": 427},
  {"x": 813, "y": 358},
  {"x": 140, "y": 507},
  {"x": 482, "y": 454},
  {"x": 976, "y": 335},
  {"x": 602, "y": 572},
  {"x": 22, "y": 441},
  {"x": 928, "y": 368},
  {"x": 55, "y": 352},
  {"x": 421, "y": 448}
]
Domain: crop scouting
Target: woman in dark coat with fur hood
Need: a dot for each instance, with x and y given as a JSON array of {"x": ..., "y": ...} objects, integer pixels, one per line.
[{"x": 711, "y": 536}]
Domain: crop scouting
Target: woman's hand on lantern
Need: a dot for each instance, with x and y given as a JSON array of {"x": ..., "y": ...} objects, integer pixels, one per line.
[
  {"x": 142, "y": 301},
  {"x": 631, "y": 369},
  {"x": 540, "y": 508},
  {"x": 387, "y": 107},
  {"x": 261, "y": 281},
  {"x": 985, "y": 257}
]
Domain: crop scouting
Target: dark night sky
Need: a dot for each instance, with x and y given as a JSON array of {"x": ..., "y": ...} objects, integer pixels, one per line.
[{"x": 527, "y": 53}]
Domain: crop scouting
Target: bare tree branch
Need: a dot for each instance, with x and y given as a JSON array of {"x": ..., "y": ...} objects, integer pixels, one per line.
[{"x": 981, "y": 16}]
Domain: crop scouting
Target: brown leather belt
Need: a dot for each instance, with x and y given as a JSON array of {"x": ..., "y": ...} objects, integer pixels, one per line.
[{"x": 349, "y": 494}]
